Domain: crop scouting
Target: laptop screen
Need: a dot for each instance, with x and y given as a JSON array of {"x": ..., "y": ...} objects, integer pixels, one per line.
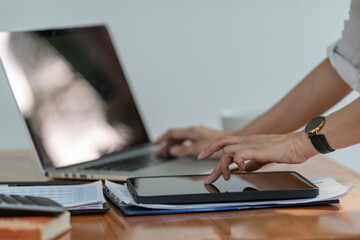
[{"x": 72, "y": 93}]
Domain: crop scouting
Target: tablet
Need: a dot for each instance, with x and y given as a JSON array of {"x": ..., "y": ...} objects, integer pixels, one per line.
[{"x": 255, "y": 186}]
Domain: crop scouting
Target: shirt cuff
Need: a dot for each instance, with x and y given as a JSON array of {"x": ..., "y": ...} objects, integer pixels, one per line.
[{"x": 344, "y": 68}]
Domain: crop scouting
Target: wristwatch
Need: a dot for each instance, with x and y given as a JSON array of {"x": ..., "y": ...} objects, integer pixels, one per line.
[{"x": 318, "y": 140}]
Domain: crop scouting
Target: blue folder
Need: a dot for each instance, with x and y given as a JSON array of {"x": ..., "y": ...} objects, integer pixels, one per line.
[{"x": 128, "y": 210}]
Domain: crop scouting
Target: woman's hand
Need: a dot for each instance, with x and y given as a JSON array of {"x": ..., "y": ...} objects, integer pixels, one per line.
[
  {"x": 187, "y": 141},
  {"x": 260, "y": 150}
]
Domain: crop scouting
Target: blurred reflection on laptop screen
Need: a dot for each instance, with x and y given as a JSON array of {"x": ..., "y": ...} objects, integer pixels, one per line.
[{"x": 71, "y": 90}]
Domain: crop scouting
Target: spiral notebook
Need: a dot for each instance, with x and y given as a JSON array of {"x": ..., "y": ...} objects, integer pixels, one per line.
[{"x": 330, "y": 193}]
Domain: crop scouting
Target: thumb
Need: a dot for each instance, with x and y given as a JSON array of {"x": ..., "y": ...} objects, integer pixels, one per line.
[
  {"x": 182, "y": 150},
  {"x": 254, "y": 165}
]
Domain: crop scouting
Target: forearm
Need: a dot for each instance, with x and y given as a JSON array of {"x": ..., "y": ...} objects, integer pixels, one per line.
[
  {"x": 342, "y": 128},
  {"x": 319, "y": 91}
]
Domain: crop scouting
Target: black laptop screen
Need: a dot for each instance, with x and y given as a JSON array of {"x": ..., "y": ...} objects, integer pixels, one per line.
[{"x": 72, "y": 92}]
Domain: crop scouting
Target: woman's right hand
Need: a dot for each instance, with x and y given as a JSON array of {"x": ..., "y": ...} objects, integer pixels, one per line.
[{"x": 188, "y": 141}]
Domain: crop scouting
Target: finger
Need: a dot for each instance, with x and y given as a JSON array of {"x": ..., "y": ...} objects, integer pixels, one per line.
[
  {"x": 218, "y": 145},
  {"x": 239, "y": 159},
  {"x": 165, "y": 148},
  {"x": 254, "y": 165},
  {"x": 214, "y": 175},
  {"x": 225, "y": 161},
  {"x": 256, "y": 162},
  {"x": 163, "y": 137},
  {"x": 176, "y": 134},
  {"x": 183, "y": 150}
]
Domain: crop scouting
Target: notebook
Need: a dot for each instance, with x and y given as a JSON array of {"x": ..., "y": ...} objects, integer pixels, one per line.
[{"x": 78, "y": 108}]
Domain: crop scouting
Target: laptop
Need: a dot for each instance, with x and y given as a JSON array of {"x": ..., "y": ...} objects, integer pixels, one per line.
[{"x": 78, "y": 107}]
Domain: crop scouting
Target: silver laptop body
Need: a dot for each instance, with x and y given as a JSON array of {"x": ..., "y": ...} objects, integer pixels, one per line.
[{"x": 78, "y": 108}]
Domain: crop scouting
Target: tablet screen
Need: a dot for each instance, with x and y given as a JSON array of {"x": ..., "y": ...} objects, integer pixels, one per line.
[
  {"x": 238, "y": 182},
  {"x": 161, "y": 188}
]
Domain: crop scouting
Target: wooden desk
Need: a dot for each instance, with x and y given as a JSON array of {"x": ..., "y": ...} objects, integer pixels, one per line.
[{"x": 340, "y": 221}]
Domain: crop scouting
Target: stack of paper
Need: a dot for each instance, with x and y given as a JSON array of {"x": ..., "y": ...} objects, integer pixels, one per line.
[
  {"x": 330, "y": 191},
  {"x": 72, "y": 197}
]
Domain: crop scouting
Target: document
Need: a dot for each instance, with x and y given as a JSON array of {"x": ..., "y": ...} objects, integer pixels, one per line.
[
  {"x": 72, "y": 197},
  {"x": 330, "y": 191}
]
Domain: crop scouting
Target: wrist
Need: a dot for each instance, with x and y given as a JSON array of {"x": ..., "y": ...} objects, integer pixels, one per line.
[{"x": 303, "y": 146}]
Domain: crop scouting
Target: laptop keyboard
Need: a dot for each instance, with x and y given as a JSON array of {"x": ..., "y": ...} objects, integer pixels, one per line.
[{"x": 129, "y": 164}]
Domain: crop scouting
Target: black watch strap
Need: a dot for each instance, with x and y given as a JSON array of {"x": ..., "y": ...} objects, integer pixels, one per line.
[{"x": 320, "y": 143}]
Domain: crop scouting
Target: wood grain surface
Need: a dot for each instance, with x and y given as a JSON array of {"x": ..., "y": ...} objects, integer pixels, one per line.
[{"x": 339, "y": 221}]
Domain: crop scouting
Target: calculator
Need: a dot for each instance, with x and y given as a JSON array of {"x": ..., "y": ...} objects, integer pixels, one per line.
[{"x": 20, "y": 205}]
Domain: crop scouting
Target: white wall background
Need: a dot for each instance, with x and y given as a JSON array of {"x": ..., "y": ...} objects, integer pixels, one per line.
[{"x": 186, "y": 60}]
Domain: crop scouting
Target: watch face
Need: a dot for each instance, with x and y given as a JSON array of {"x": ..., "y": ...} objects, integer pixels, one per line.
[{"x": 314, "y": 124}]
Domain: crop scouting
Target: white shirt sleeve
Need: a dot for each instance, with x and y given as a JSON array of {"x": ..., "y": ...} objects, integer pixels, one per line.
[{"x": 344, "y": 54}]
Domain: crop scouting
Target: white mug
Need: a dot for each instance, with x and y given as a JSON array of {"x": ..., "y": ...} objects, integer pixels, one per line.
[{"x": 235, "y": 119}]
